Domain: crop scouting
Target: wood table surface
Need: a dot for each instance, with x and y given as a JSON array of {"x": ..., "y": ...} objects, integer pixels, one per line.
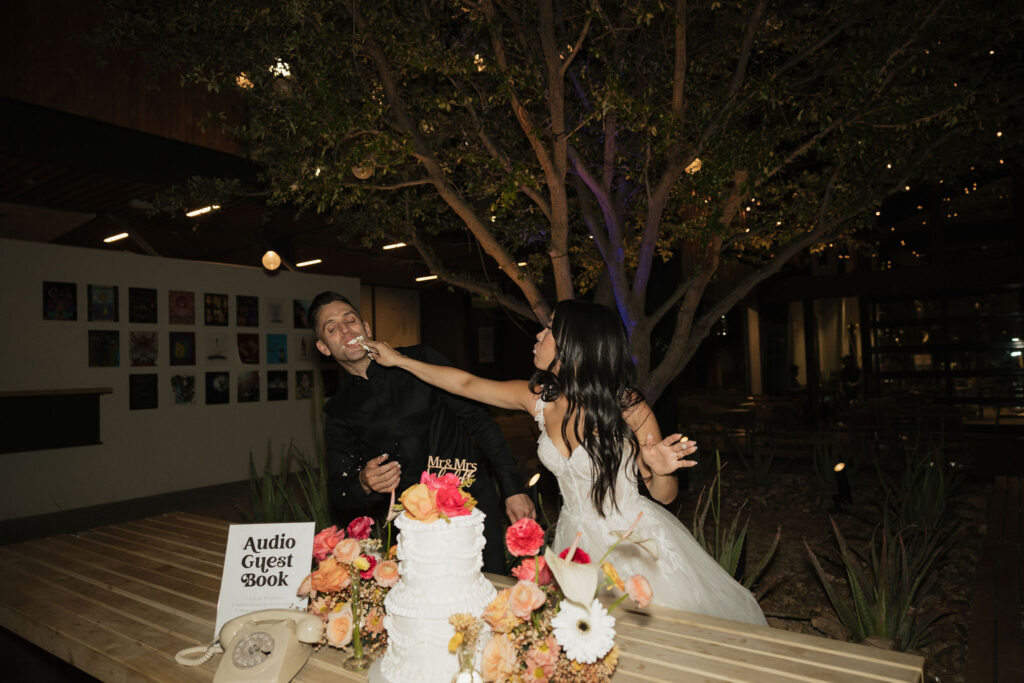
[{"x": 119, "y": 601}]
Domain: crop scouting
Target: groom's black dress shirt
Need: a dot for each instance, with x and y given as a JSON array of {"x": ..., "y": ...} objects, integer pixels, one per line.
[{"x": 420, "y": 426}]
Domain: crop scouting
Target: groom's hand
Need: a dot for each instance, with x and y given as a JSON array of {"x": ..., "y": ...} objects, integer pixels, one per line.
[
  {"x": 519, "y": 506},
  {"x": 380, "y": 476}
]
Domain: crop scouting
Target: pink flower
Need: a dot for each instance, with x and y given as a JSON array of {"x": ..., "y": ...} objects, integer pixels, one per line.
[
  {"x": 639, "y": 589},
  {"x": 498, "y": 615},
  {"x": 347, "y": 550},
  {"x": 373, "y": 622},
  {"x": 579, "y": 557},
  {"x": 386, "y": 573},
  {"x": 359, "y": 528},
  {"x": 451, "y": 502},
  {"x": 524, "y": 537},
  {"x": 525, "y": 597},
  {"x": 324, "y": 542},
  {"x": 339, "y": 627},
  {"x": 368, "y": 573},
  {"x": 528, "y": 571},
  {"x": 434, "y": 482},
  {"x": 543, "y": 656},
  {"x": 499, "y": 659}
]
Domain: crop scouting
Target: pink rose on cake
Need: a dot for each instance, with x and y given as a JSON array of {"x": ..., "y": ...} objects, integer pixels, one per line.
[
  {"x": 445, "y": 481},
  {"x": 453, "y": 502},
  {"x": 324, "y": 542},
  {"x": 359, "y": 528}
]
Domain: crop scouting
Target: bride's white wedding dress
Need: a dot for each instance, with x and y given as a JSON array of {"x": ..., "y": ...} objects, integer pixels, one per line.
[{"x": 683, "y": 576}]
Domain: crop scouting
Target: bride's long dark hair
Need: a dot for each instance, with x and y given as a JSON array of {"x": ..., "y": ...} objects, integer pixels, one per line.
[{"x": 596, "y": 375}]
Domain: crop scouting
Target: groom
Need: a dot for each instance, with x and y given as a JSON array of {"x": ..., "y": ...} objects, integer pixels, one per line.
[{"x": 384, "y": 427}]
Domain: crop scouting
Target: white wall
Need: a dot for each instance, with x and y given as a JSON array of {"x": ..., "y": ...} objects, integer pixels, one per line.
[{"x": 143, "y": 452}]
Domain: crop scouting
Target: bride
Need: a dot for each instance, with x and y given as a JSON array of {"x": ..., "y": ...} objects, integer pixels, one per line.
[{"x": 597, "y": 436}]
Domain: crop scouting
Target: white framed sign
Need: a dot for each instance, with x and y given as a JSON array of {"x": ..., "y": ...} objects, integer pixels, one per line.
[{"x": 263, "y": 567}]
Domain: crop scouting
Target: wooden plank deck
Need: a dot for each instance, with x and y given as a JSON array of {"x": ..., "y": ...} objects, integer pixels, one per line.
[{"x": 119, "y": 601}]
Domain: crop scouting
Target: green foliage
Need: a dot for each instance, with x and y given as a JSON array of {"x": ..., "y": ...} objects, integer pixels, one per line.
[
  {"x": 759, "y": 460},
  {"x": 887, "y": 591},
  {"x": 921, "y": 497},
  {"x": 296, "y": 492},
  {"x": 726, "y": 543}
]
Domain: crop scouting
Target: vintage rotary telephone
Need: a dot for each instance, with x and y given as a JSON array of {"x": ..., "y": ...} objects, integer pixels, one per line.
[{"x": 261, "y": 646}]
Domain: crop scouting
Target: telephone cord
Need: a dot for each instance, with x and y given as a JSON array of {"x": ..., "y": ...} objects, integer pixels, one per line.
[{"x": 198, "y": 655}]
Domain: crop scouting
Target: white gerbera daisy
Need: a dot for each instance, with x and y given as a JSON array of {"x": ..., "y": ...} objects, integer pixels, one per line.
[{"x": 585, "y": 634}]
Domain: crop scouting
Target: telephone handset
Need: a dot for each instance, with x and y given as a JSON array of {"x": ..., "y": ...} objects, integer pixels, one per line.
[{"x": 264, "y": 646}]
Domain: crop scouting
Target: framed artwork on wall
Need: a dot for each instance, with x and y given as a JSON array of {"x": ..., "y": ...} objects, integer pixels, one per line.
[
  {"x": 277, "y": 349},
  {"x": 248, "y": 386},
  {"x": 218, "y": 388},
  {"x": 103, "y": 303},
  {"x": 104, "y": 349},
  {"x": 277, "y": 385},
  {"x": 141, "y": 305},
  {"x": 300, "y": 307},
  {"x": 142, "y": 348},
  {"x": 303, "y": 384},
  {"x": 142, "y": 391},
  {"x": 247, "y": 311},
  {"x": 275, "y": 313},
  {"x": 60, "y": 301},
  {"x": 183, "y": 348},
  {"x": 215, "y": 309},
  {"x": 184, "y": 390},
  {"x": 249, "y": 348},
  {"x": 181, "y": 307}
]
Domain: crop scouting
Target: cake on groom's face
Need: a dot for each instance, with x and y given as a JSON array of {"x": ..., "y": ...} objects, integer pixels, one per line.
[{"x": 339, "y": 331}]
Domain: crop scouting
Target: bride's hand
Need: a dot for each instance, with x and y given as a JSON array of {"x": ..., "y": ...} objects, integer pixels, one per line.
[
  {"x": 382, "y": 353},
  {"x": 669, "y": 454}
]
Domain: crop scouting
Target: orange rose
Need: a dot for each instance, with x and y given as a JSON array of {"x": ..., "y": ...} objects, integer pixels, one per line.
[
  {"x": 339, "y": 628},
  {"x": 418, "y": 501},
  {"x": 497, "y": 614},
  {"x": 499, "y": 659},
  {"x": 640, "y": 590},
  {"x": 386, "y": 573},
  {"x": 525, "y": 597},
  {"x": 330, "y": 576},
  {"x": 346, "y": 551}
]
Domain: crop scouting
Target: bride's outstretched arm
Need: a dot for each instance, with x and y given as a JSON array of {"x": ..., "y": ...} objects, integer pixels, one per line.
[
  {"x": 513, "y": 394},
  {"x": 659, "y": 457}
]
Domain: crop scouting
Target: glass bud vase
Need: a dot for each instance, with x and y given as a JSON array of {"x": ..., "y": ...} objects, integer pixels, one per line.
[{"x": 466, "y": 673}]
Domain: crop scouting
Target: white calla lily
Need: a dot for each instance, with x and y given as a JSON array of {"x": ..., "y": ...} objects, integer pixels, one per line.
[{"x": 578, "y": 582}]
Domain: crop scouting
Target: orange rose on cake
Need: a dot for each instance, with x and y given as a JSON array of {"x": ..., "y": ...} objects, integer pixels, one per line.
[{"x": 419, "y": 503}]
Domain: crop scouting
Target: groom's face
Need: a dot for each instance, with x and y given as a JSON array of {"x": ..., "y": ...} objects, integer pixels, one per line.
[{"x": 337, "y": 327}]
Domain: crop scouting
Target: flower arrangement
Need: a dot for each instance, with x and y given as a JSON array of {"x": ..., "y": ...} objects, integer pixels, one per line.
[
  {"x": 348, "y": 586},
  {"x": 437, "y": 497},
  {"x": 550, "y": 626}
]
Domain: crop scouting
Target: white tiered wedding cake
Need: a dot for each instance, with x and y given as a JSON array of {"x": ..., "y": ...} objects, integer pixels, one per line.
[{"x": 440, "y": 565}]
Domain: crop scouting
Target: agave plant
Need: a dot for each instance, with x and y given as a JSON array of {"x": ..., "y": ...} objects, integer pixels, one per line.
[
  {"x": 921, "y": 498},
  {"x": 888, "y": 589},
  {"x": 727, "y": 544}
]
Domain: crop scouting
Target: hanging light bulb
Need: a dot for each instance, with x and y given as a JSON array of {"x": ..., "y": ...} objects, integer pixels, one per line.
[{"x": 271, "y": 260}]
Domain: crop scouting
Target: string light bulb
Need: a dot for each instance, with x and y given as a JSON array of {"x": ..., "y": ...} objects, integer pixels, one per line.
[{"x": 271, "y": 260}]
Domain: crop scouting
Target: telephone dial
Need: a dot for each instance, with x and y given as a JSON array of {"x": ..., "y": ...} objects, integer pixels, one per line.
[{"x": 261, "y": 646}]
